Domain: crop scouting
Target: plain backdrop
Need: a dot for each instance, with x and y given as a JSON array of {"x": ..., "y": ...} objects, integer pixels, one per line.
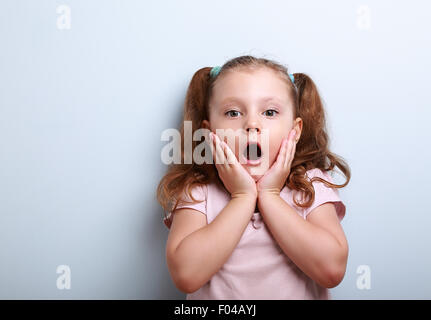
[{"x": 87, "y": 87}]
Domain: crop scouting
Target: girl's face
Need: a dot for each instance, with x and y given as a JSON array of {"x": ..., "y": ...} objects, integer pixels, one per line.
[{"x": 252, "y": 101}]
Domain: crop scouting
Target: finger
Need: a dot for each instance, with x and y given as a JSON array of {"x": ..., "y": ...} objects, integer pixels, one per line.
[
  {"x": 230, "y": 156},
  {"x": 212, "y": 146},
  {"x": 223, "y": 147},
  {"x": 291, "y": 151},
  {"x": 281, "y": 159},
  {"x": 294, "y": 148},
  {"x": 288, "y": 153},
  {"x": 219, "y": 151},
  {"x": 292, "y": 156},
  {"x": 216, "y": 158}
]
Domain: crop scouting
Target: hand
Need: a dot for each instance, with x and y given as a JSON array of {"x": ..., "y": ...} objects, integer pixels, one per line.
[
  {"x": 274, "y": 179},
  {"x": 235, "y": 178}
]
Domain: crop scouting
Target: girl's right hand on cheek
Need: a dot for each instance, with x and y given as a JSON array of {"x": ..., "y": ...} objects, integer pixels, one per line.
[{"x": 235, "y": 178}]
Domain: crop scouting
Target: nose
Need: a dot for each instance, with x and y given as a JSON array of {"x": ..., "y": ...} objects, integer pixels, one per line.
[
  {"x": 252, "y": 124},
  {"x": 257, "y": 129}
]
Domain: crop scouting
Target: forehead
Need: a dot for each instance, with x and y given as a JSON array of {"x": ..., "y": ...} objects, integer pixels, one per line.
[{"x": 250, "y": 85}]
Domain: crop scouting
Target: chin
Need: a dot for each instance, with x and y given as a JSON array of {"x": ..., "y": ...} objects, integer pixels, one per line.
[{"x": 256, "y": 177}]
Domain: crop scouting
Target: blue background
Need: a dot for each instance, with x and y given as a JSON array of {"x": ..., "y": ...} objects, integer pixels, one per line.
[{"x": 82, "y": 111}]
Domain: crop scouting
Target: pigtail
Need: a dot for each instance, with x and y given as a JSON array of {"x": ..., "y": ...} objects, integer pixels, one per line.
[
  {"x": 310, "y": 110},
  {"x": 180, "y": 178},
  {"x": 197, "y": 97},
  {"x": 312, "y": 149}
]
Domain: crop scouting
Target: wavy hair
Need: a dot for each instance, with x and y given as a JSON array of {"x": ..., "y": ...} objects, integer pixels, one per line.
[{"x": 312, "y": 149}]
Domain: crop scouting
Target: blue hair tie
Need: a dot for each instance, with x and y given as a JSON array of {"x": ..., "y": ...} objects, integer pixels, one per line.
[
  {"x": 215, "y": 71},
  {"x": 292, "y": 78}
]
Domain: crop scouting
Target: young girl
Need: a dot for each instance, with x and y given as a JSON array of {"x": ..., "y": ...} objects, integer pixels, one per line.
[{"x": 239, "y": 235}]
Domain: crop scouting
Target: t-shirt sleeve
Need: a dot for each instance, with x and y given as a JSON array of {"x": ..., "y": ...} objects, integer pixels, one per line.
[
  {"x": 323, "y": 194},
  {"x": 199, "y": 193}
]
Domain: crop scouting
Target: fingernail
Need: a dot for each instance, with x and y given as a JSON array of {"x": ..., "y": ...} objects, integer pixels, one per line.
[{"x": 292, "y": 134}]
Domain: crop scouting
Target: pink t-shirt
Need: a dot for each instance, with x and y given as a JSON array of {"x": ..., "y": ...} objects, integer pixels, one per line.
[{"x": 258, "y": 269}]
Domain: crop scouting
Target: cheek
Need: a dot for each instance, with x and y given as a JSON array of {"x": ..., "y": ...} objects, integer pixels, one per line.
[
  {"x": 274, "y": 147},
  {"x": 272, "y": 151},
  {"x": 276, "y": 135}
]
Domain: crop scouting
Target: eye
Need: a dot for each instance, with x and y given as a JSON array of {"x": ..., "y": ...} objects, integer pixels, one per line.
[
  {"x": 271, "y": 112},
  {"x": 232, "y": 113}
]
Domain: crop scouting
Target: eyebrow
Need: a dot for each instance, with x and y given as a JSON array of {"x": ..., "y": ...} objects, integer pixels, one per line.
[{"x": 264, "y": 99}]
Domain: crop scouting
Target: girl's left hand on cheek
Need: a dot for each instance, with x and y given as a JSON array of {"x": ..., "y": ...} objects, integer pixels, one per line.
[{"x": 274, "y": 179}]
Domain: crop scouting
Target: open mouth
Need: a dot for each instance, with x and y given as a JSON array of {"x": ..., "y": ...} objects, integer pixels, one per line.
[{"x": 253, "y": 151}]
